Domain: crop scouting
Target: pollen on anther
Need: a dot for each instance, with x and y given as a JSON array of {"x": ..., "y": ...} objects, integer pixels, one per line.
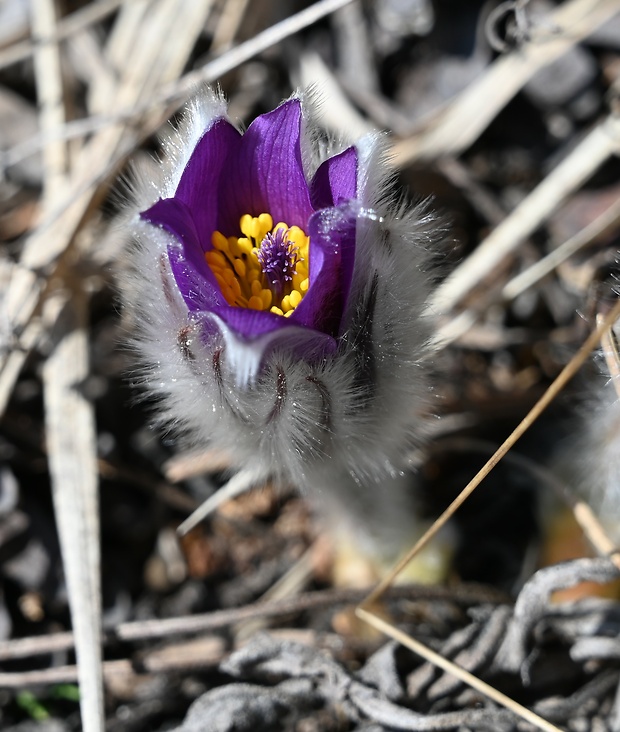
[
  {"x": 219, "y": 241},
  {"x": 266, "y": 296},
  {"x": 264, "y": 269},
  {"x": 245, "y": 245},
  {"x": 216, "y": 259}
]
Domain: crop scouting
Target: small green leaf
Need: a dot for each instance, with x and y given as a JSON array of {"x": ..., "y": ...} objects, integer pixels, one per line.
[
  {"x": 31, "y": 705},
  {"x": 68, "y": 692}
]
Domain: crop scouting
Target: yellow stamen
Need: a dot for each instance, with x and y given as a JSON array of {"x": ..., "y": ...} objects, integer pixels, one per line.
[
  {"x": 237, "y": 267},
  {"x": 236, "y": 287},
  {"x": 266, "y": 296},
  {"x": 215, "y": 259},
  {"x": 245, "y": 224},
  {"x": 233, "y": 246},
  {"x": 219, "y": 241},
  {"x": 266, "y": 223},
  {"x": 245, "y": 245}
]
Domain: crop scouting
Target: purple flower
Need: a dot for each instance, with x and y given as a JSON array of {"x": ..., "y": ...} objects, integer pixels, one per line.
[
  {"x": 252, "y": 256},
  {"x": 278, "y": 290}
]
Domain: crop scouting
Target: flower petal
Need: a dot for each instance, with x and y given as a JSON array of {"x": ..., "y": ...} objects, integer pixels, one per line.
[
  {"x": 194, "y": 278},
  {"x": 332, "y": 257},
  {"x": 175, "y": 217},
  {"x": 336, "y": 180},
  {"x": 264, "y": 174},
  {"x": 249, "y": 334},
  {"x": 199, "y": 292},
  {"x": 199, "y": 186}
]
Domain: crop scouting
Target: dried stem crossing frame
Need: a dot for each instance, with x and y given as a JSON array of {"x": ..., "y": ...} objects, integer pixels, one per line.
[{"x": 364, "y": 611}]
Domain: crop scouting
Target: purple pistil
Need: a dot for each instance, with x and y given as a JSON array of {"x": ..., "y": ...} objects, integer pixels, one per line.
[{"x": 277, "y": 257}]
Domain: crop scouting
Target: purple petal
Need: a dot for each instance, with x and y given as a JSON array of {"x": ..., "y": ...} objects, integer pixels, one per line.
[
  {"x": 251, "y": 324},
  {"x": 199, "y": 292},
  {"x": 248, "y": 323},
  {"x": 336, "y": 180},
  {"x": 189, "y": 267},
  {"x": 245, "y": 356},
  {"x": 199, "y": 186},
  {"x": 332, "y": 256},
  {"x": 264, "y": 174},
  {"x": 176, "y": 218},
  {"x": 250, "y": 334}
]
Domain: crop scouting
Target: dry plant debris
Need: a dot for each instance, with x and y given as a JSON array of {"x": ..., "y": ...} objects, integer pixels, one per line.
[{"x": 507, "y": 114}]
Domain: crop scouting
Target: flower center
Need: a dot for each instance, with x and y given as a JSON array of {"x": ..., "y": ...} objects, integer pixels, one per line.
[{"x": 265, "y": 269}]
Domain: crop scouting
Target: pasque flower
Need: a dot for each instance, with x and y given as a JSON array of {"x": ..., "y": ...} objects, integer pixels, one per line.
[{"x": 278, "y": 288}]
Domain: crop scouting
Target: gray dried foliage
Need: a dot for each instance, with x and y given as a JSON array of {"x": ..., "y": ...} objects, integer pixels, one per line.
[
  {"x": 533, "y": 600},
  {"x": 531, "y": 651},
  {"x": 307, "y": 677}
]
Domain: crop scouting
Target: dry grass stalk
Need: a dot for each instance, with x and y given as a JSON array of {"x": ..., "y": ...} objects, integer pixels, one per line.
[
  {"x": 460, "y": 124},
  {"x": 71, "y": 436},
  {"x": 189, "y": 464},
  {"x": 596, "y": 531},
  {"x": 550, "y": 394},
  {"x": 70, "y": 421},
  {"x": 171, "y": 96},
  {"x": 67, "y": 26},
  {"x": 72, "y": 454},
  {"x": 588, "y": 521},
  {"x": 603, "y": 224},
  {"x": 289, "y": 585},
  {"x": 50, "y": 97},
  {"x": 457, "y": 326},
  {"x": 241, "y": 482},
  {"x": 141, "y": 630},
  {"x": 199, "y": 653},
  {"x": 602, "y": 142},
  {"x": 443, "y": 663},
  {"x": 339, "y": 114},
  {"x": 228, "y": 24}
]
